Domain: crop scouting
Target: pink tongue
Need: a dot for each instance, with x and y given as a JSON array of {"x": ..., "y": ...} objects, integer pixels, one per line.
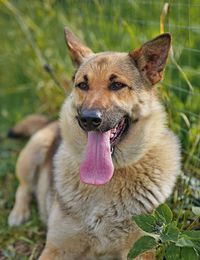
[{"x": 97, "y": 167}]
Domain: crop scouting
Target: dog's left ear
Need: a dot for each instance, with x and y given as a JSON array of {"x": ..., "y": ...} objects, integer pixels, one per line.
[
  {"x": 152, "y": 56},
  {"x": 78, "y": 51}
]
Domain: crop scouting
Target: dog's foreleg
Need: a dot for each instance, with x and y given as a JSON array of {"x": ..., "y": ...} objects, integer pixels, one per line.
[
  {"x": 20, "y": 212},
  {"x": 148, "y": 255},
  {"x": 25, "y": 171},
  {"x": 50, "y": 253}
]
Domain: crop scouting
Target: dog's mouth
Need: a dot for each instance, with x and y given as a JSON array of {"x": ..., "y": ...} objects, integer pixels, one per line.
[
  {"x": 97, "y": 167},
  {"x": 118, "y": 132}
]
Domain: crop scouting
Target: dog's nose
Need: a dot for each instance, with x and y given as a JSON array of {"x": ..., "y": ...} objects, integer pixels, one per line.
[{"x": 90, "y": 119}]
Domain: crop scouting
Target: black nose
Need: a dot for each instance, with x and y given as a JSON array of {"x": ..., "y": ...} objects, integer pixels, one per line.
[{"x": 90, "y": 119}]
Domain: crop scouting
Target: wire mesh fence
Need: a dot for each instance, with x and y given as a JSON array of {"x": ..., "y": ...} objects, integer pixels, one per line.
[{"x": 119, "y": 25}]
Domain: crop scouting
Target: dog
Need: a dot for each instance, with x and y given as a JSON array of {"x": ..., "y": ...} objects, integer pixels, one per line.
[{"x": 110, "y": 156}]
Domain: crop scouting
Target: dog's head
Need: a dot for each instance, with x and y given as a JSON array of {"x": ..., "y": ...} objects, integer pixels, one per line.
[{"x": 113, "y": 114}]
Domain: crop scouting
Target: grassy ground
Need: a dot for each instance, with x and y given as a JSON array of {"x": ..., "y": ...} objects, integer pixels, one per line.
[
  {"x": 26, "y": 241},
  {"x": 32, "y": 36}
]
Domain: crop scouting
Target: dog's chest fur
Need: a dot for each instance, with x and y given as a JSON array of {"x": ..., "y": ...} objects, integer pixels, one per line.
[
  {"x": 100, "y": 208},
  {"x": 105, "y": 211}
]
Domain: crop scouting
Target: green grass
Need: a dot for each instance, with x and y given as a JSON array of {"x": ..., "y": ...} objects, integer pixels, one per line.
[
  {"x": 16, "y": 243},
  {"x": 103, "y": 25}
]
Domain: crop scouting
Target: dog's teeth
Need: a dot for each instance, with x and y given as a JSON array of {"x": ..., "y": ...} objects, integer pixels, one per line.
[{"x": 111, "y": 150}]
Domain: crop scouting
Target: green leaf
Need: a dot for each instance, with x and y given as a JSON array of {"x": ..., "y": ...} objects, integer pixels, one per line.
[
  {"x": 141, "y": 245},
  {"x": 192, "y": 234},
  {"x": 184, "y": 242},
  {"x": 197, "y": 245},
  {"x": 170, "y": 233},
  {"x": 188, "y": 253},
  {"x": 146, "y": 222},
  {"x": 164, "y": 213},
  {"x": 196, "y": 211},
  {"x": 172, "y": 252},
  {"x": 190, "y": 239}
]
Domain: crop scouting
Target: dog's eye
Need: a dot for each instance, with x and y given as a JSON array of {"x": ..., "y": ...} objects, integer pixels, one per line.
[
  {"x": 82, "y": 86},
  {"x": 116, "y": 86}
]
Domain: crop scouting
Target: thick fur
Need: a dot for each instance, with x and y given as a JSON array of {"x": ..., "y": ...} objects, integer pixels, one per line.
[{"x": 94, "y": 222}]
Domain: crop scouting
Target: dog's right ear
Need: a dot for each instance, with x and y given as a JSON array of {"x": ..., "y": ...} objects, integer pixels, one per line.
[{"x": 78, "y": 51}]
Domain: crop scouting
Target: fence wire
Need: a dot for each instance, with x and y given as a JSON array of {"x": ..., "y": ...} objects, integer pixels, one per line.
[
  {"x": 184, "y": 24},
  {"x": 105, "y": 24},
  {"x": 142, "y": 20}
]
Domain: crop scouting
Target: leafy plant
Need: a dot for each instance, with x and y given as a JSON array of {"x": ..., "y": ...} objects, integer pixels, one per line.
[{"x": 161, "y": 232}]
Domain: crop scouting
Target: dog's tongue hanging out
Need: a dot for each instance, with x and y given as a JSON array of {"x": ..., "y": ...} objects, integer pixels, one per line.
[{"x": 97, "y": 166}]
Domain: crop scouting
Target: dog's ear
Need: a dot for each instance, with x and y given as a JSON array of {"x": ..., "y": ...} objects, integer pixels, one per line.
[
  {"x": 152, "y": 56},
  {"x": 78, "y": 51}
]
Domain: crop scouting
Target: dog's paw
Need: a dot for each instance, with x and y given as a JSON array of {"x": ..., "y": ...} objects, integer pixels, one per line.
[{"x": 17, "y": 217}]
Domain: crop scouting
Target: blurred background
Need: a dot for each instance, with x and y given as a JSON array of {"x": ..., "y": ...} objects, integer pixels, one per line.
[{"x": 36, "y": 75}]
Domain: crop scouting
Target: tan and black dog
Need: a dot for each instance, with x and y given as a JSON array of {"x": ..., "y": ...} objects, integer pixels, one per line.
[{"x": 116, "y": 157}]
